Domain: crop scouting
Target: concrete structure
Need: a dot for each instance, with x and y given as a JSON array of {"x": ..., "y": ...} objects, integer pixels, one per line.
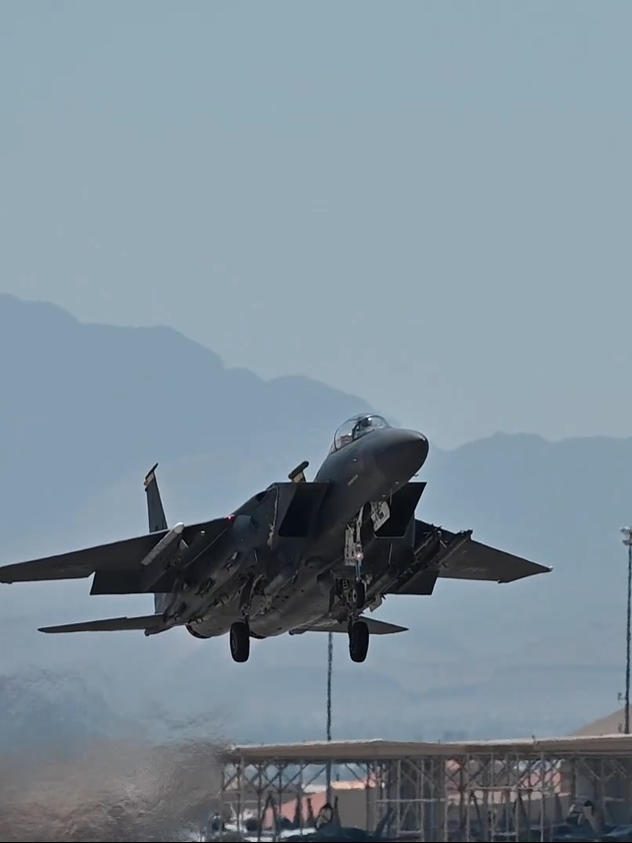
[{"x": 439, "y": 791}]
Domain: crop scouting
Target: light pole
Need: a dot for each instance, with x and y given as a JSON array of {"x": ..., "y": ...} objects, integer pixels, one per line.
[
  {"x": 330, "y": 661},
  {"x": 627, "y": 541}
]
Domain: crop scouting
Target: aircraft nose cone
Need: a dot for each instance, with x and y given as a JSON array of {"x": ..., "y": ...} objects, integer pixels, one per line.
[{"x": 403, "y": 456}]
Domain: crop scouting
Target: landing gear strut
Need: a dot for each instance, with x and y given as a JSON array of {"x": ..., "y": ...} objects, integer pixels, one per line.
[
  {"x": 359, "y": 595},
  {"x": 354, "y": 558},
  {"x": 240, "y": 641},
  {"x": 358, "y": 640},
  {"x": 354, "y": 554}
]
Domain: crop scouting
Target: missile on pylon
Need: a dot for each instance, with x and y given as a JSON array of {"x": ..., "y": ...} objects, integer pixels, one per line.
[{"x": 157, "y": 560}]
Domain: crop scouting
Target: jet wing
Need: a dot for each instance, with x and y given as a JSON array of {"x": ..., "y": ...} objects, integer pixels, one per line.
[
  {"x": 121, "y": 556},
  {"x": 375, "y": 627},
  {"x": 476, "y": 561},
  {"x": 442, "y": 553}
]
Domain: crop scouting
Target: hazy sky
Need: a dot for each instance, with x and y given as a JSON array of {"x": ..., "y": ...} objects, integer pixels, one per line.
[{"x": 426, "y": 203}]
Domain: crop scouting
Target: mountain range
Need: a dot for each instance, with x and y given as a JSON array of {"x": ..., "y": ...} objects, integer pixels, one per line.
[{"x": 88, "y": 408}]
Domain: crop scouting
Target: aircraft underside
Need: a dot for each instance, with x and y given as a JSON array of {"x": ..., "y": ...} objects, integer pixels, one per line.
[
  {"x": 312, "y": 615},
  {"x": 307, "y": 604},
  {"x": 331, "y": 595}
]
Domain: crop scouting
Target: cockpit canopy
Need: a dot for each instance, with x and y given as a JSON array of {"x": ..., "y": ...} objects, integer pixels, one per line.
[{"x": 356, "y": 427}]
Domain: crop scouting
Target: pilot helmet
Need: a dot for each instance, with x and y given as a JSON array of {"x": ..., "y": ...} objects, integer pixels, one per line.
[{"x": 362, "y": 424}]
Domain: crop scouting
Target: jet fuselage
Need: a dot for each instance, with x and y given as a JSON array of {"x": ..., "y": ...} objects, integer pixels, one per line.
[{"x": 367, "y": 469}]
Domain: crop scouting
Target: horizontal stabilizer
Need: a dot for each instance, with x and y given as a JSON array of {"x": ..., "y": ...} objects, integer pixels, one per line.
[
  {"x": 421, "y": 584},
  {"x": 375, "y": 627},
  {"x": 107, "y": 625}
]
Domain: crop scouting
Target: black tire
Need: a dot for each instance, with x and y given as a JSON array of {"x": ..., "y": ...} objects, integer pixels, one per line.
[
  {"x": 240, "y": 641},
  {"x": 358, "y": 641}
]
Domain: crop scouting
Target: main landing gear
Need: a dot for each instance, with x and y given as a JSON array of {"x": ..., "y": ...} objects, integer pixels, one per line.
[{"x": 240, "y": 641}]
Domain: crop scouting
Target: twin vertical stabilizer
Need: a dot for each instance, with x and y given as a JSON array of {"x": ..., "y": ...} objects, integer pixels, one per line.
[
  {"x": 157, "y": 522},
  {"x": 155, "y": 510}
]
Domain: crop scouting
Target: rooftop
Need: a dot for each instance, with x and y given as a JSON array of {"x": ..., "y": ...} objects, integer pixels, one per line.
[{"x": 350, "y": 752}]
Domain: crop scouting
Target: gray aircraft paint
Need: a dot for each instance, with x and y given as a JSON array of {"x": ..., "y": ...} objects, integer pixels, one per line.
[{"x": 281, "y": 563}]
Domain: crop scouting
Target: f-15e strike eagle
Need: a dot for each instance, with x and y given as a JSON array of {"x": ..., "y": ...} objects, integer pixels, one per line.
[{"x": 298, "y": 557}]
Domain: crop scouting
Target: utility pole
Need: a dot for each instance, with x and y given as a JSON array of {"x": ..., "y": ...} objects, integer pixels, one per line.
[
  {"x": 627, "y": 541},
  {"x": 330, "y": 660}
]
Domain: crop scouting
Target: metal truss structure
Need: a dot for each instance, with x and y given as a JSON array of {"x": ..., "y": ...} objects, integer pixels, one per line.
[{"x": 509, "y": 790}]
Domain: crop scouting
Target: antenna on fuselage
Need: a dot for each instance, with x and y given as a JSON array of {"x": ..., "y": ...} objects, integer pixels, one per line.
[{"x": 297, "y": 475}]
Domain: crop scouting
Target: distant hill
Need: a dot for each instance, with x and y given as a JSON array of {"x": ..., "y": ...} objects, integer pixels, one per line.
[
  {"x": 612, "y": 724},
  {"x": 87, "y": 409},
  {"x": 85, "y": 405}
]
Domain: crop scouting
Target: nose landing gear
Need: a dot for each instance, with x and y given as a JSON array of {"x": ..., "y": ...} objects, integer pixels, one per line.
[
  {"x": 358, "y": 640},
  {"x": 358, "y": 629},
  {"x": 378, "y": 512},
  {"x": 359, "y": 595},
  {"x": 354, "y": 558},
  {"x": 353, "y": 553},
  {"x": 240, "y": 641}
]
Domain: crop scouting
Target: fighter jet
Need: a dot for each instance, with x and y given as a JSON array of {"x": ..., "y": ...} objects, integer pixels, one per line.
[{"x": 297, "y": 557}]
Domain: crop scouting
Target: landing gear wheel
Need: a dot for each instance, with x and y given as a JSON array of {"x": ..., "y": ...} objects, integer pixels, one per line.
[
  {"x": 359, "y": 595},
  {"x": 240, "y": 641},
  {"x": 358, "y": 641}
]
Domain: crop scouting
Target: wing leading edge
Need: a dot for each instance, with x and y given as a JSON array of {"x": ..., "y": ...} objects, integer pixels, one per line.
[
  {"x": 442, "y": 553},
  {"x": 121, "y": 557},
  {"x": 477, "y": 561}
]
